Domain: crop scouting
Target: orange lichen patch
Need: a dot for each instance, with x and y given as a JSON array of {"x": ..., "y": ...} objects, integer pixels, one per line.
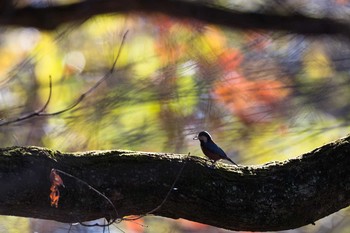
[{"x": 56, "y": 181}]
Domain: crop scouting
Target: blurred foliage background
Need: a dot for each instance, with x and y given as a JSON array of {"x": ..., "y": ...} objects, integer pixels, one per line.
[{"x": 264, "y": 96}]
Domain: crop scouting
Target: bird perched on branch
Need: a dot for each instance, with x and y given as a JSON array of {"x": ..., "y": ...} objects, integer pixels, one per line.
[{"x": 210, "y": 149}]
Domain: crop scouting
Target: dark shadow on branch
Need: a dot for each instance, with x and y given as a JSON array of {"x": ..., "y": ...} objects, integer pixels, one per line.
[{"x": 51, "y": 17}]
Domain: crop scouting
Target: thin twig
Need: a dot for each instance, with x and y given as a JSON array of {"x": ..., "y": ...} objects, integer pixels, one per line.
[
  {"x": 41, "y": 111},
  {"x": 170, "y": 190},
  {"x": 164, "y": 200},
  {"x": 111, "y": 203},
  {"x": 91, "y": 89},
  {"x": 48, "y": 98},
  {"x": 32, "y": 114},
  {"x": 141, "y": 216},
  {"x": 96, "y": 191}
]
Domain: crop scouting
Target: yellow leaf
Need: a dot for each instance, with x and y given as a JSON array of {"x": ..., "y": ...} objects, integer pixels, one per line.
[
  {"x": 317, "y": 64},
  {"x": 186, "y": 99},
  {"x": 49, "y": 61}
]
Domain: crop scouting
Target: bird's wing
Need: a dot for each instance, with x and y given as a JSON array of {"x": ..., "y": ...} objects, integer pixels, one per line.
[{"x": 213, "y": 148}]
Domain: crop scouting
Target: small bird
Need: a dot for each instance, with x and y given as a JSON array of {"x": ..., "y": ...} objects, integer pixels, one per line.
[{"x": 210, "y": 149}]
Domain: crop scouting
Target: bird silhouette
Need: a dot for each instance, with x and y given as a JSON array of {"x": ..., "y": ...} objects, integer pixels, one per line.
[{"x": 210, "y": 149}]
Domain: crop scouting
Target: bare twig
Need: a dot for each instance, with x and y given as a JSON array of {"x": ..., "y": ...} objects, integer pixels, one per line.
[
  {"x": 91, "y": 89},
  {"x": 170, "y": 190},
  {"x": 114, "y": 219},
  {"x": 41, "y": 112},
  {"x": 165, "y": 198},
  {"x": 32, "y": 114},
  {"x": 96, "y": 191},
  {"x": 48, "y": 98}
]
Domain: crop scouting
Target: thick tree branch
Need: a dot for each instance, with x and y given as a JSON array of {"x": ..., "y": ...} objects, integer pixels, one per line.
[
  {"x": 53, "y": 16},
  {"x": 274, "y": 196}
]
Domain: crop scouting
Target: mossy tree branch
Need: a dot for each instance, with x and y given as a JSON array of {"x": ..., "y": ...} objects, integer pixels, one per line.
[{"x": 275, "y": 196}]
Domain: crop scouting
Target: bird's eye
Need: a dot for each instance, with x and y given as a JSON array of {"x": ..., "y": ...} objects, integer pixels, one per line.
[{"x": 203, "y": 138}]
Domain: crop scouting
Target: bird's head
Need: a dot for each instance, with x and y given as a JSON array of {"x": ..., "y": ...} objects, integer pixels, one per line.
[{"x": 203, "y": 136}]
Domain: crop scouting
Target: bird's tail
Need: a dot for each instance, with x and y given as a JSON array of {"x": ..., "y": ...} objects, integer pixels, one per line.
[{"x": 231, "y": 161}]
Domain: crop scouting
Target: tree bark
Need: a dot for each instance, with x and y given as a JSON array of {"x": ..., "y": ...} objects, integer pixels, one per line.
[
  {"x": 270, "y": 197},
  {"x": 50, "y": 17}
]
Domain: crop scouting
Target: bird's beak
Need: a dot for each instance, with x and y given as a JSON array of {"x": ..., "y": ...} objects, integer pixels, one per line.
[{"x": 195, "y": 138}]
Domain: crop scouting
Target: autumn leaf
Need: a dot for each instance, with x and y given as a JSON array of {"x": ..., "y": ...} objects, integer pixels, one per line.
[
  {"x": 317, "y": 64},
  {"x": 56, "y": 181}
]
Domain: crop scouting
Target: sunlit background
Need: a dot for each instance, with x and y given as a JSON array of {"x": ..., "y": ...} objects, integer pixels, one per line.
[{"x": 264, "y": 96}]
